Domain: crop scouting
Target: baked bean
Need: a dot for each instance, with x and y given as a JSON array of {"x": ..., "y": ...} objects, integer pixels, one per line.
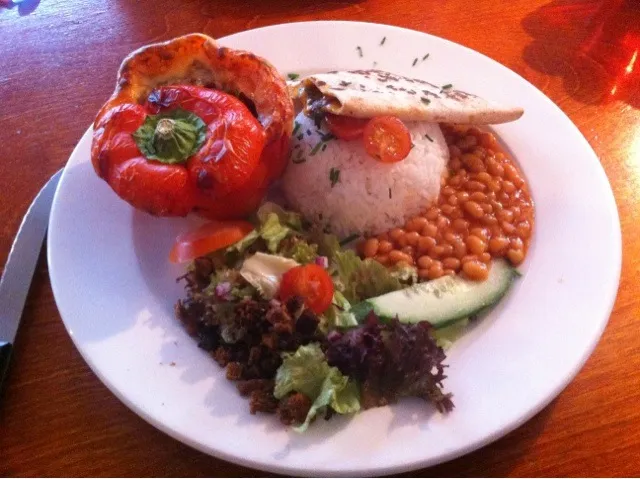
[
  {"x": 487, "y": 140},
  {"x": 516, "y": 256},
  {"x": 462, "y": 196},
  {"x": 498, "y": 244},
  {"x": 473, "y": 162},
  {"x": 475, "y": 245},
  {"x": 423, "y": 274},
  {"x": 409, "y": 250},
  {"x": 523, "y": 229},
  {"x": 512, "y": 174},
  {"x": 447, "y": 191},
  {"x": 384, "y": 247},
  {"x": 497, "y": 206},
  {"x": 484, "y": 211},
  {"x": 447, "y": 209},
  {"x": 443, "y": 223},
  {"x": 432, "y": 213},
  {"x": 417, "y": 223},
  {"x": 475, "y": 270},
  {"x": 468, "y": 257},
  {"x": 495, "y": 168},
  {"x": 412, "y": 238},
  {"x": 425, "y": 261},
  {"x": 370, "y": 247},
  {"x": 508, "y": 187},
  {"x": 473, "y": 209},
  {"x": 457, "y": 179},
  {"x": 425, "y": 243},
  {"x": 484, "y": 177},
  {"x": 429, "y": 230},
  {"x": 508, "y": 228},
  {"x": 460, "y": 225},
  {"x": 456, "y": 213},
  {"x": 478, "y": 196},
  {"x": 451, "y": 263},
  {"x": 396, "y": 255},
  {"x": 396, "y": 233},
  {"x": 495, "y": 230},
  {"x": 494, "y": 186},
  {"x": 435, "y": 270},
  {"x": 448, "y": 272},
  {"x": 481, "y": 233},
  {"x": 459, "y": 249},
  {"x": 473, "y": 185},
  {"x": 489, "y": 219},
  {"x": 505, "y": 215},
  {"x": 454, "y": 165}
]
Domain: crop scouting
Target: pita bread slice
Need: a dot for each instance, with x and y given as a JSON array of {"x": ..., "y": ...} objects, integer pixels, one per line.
[{"x": 370, "y": 93}]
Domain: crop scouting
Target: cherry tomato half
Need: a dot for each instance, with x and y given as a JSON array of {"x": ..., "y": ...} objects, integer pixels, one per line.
[
  {"x": 208, "y": 238},
  {"x": 345, "y": 127},
  {"x": 312, "y": 283},
  {"x": 387, "y": 139}
]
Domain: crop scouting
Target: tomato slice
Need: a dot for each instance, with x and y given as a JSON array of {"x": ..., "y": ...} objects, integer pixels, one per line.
[
  {"x": 345, "y": 127},
  {"x": 387, "y": 139},
  {"x": 312, "y": 283},
  {"x": 208, "y": 238}
]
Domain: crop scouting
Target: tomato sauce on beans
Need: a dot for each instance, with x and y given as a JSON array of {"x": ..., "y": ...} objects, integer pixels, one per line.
[{"x": 484, "y": 211}]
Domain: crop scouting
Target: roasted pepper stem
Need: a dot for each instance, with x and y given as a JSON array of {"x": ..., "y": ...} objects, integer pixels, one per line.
[{"x": 171, "y": 137}]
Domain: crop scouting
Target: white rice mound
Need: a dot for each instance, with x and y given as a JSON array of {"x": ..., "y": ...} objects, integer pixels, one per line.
[{"x": 369, "y": 197}]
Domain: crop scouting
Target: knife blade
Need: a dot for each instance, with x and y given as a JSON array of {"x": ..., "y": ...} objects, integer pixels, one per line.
[{"x": 20, "y": 266}]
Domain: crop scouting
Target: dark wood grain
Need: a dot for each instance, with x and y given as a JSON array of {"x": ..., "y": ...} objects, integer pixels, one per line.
[{"x": 57, "y": 65}]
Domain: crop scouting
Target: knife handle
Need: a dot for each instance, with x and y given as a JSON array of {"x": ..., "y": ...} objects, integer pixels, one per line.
[{"x": 5, "y": 355}]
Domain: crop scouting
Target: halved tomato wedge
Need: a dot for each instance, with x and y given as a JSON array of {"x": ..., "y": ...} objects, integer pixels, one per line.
[
  {"x": 208, "y": 238},
  {"x": 387, "y": 139}
]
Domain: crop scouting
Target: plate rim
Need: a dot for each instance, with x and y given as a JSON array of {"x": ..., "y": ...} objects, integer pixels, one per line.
[{"x": 399, "y": 467}]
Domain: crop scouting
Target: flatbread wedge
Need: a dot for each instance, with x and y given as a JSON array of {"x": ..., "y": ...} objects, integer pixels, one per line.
[{"x": 370, "y": 93}]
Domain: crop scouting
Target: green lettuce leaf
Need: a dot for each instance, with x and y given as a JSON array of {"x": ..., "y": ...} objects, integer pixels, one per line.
[
  {"x": 287, "y": 218},
  {"x": 302, "y": 252},
  {"x": 362, "y": 279},
  {"x": 245, "y": 243},
  {"x": 273, "y": 231},
  {"x": 339, "y": 315},
  {"x": 306, "y": 371},
  {"x": 328, "y": 244}
]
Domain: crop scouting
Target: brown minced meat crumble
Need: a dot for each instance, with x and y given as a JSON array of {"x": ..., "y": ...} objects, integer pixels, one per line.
[{"x": 262, "y": 330}]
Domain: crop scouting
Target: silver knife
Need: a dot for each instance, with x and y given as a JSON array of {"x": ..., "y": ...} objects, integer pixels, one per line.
[{"x": 21, "y": 263}]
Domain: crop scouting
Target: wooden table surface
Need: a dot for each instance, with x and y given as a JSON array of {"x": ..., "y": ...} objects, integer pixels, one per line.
[{"x": 58, "y": 60}]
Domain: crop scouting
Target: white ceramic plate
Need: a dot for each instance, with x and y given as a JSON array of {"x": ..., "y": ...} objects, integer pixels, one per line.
[{"x": 115, "y": 288}]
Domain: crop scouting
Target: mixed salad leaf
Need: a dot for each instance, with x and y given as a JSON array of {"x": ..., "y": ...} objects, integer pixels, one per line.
[
  {"x": 287, "y": 356},
  {"x": 307, "y": 372}
]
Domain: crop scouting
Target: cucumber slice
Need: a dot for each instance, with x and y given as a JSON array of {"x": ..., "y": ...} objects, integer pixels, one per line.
[{"x": 442, "y": 301}]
